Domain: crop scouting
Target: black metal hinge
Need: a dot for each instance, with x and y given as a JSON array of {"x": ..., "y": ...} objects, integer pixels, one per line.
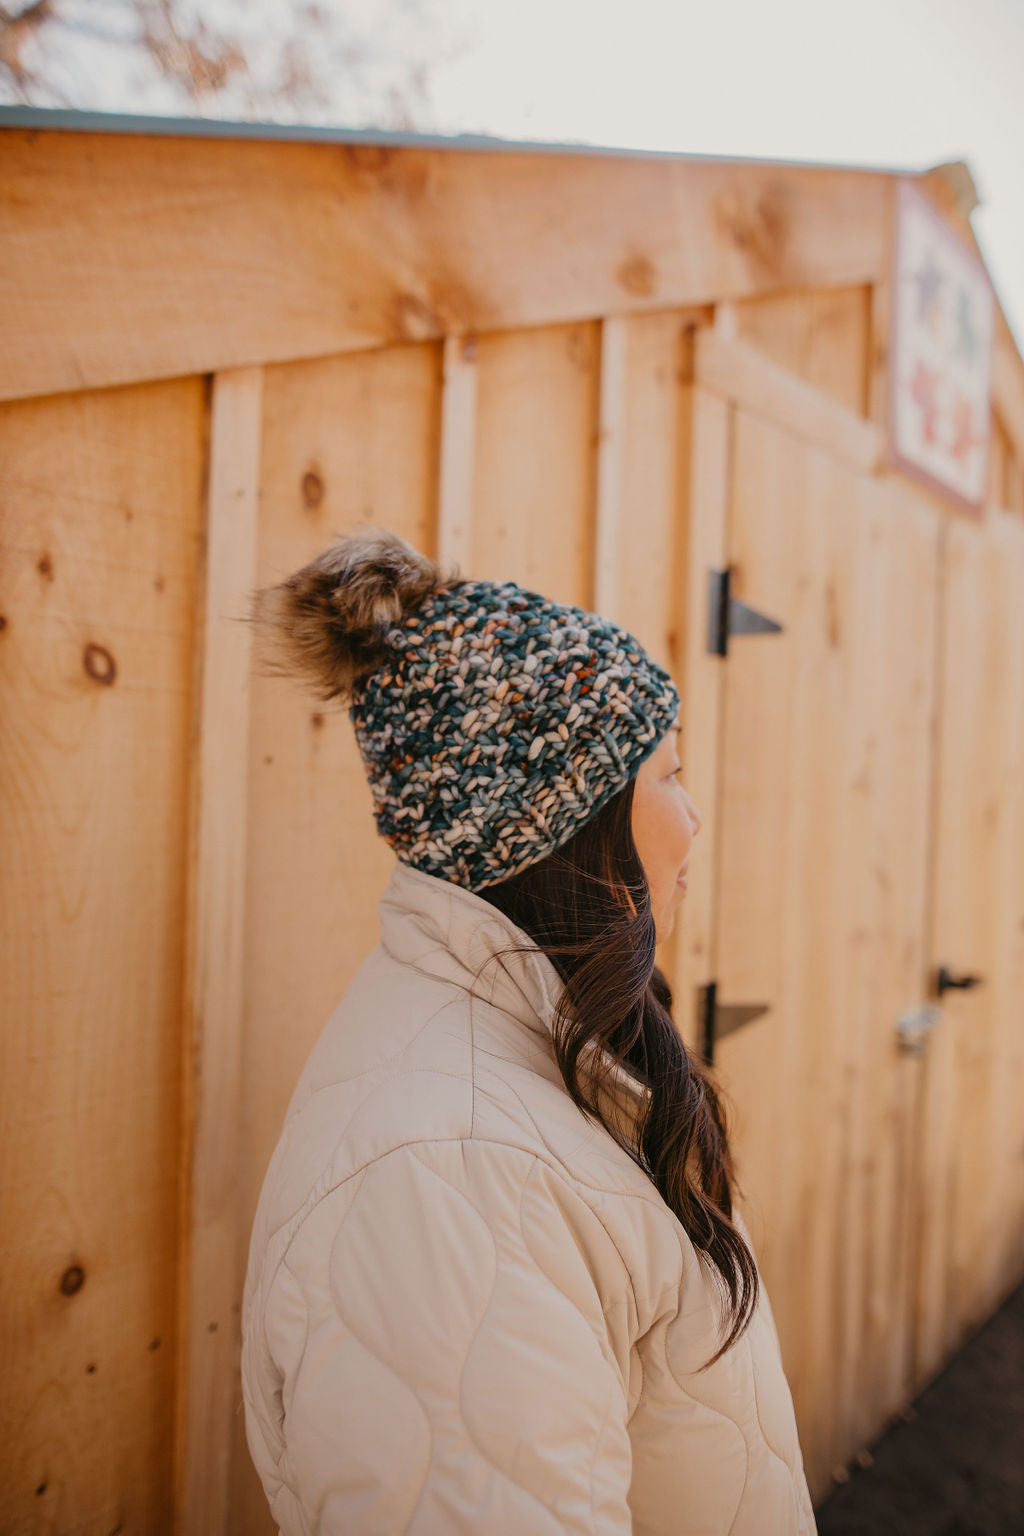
[
  {"x": 716, "y": 1020},
  {"x": 728, "y": 616}
]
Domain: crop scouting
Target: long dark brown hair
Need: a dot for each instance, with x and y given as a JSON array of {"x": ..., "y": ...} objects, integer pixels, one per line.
[{"x": 587, "y": 906}]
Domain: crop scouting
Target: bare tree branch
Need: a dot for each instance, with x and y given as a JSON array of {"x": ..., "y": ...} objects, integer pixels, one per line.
[
  {"x": 15, "y": 31},
  {"x": 320, "y": 60}
]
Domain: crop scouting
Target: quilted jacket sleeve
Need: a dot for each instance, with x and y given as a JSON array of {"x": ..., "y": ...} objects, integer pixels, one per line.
[{"x": 445, "y": 1360}]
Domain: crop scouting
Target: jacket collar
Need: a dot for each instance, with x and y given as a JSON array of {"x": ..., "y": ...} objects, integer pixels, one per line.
[{"x": 451, "y": 933}]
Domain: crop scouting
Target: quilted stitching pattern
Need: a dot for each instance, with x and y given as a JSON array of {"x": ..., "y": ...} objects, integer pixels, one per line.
[{"x": 466, "y": 1309}]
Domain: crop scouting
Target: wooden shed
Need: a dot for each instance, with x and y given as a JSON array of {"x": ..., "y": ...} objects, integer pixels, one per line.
[{"x": 652, "y": 384}]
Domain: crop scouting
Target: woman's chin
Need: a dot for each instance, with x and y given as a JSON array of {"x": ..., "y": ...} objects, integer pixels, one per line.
[{"x": 664, "y": 925}]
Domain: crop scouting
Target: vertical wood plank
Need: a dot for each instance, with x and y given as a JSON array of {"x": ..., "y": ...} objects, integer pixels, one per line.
[
  {"x": 1004, "y": 816},
  {"x": 650, "y": 532},
  {"x": 534, "y": 481},
  {"x": 999, "y": 460},
  {"x": 1014, "y": 493},
  {"x": 890, "y": 768},
  {"x": 972, "y": 1143},
  {"x": 822, "y": 863},
  {"x": 345, "y": 440},
  {"x": 458, "y": 441},
  {"x": 704, "y": 454},
  {"x": 216, "y": 959},
  {"x": 726, "y": 322},
  {"x": 876, "y": 404},
  {"x": 640, "y": 532},
  {"x": 610, "y": 450},
  {"x": 756, "y": 850},
  {"x": 101, "y": 498}
]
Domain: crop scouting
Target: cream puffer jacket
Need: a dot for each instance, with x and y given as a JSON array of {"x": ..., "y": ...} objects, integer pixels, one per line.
[{"x": 467, "y": 1310}]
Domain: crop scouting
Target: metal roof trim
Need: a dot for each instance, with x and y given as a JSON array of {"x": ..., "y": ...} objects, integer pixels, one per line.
[{"x": 61, "y": 119}]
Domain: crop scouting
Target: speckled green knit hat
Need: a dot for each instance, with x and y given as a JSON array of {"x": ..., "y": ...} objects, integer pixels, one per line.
[
  {"x": 492, "y": 722},
  {"x": 504, "y": 723}
]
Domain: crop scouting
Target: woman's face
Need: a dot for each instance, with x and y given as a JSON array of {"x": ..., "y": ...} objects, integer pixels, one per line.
[{"x": 665, "y": 822}]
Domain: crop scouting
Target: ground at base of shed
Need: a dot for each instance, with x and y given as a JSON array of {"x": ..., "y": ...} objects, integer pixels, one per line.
[{"x": 956, "y": 1468}]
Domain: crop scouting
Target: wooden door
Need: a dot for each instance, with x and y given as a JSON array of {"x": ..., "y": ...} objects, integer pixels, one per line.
[
  {"x": 970, "y": 1168},
  {"x": 820, "y": 839}
]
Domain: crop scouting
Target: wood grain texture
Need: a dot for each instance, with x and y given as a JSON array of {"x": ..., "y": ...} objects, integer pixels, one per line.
[
  {"x": 704, "y": 466},
  {"x": 610, "y": 449},
  {"x": 647, "y": 543},
  {"x": 820, "y": 335},
  {"x": 889, "y": 768},
  {"x": 346, "y": 441},
  {"x": 823, "y": 854},
  {"x": 101, "y": 508},
  {"x": 739, "y": 371},
  {"x": 971, "y": 1151},
  {"x": 1005, "y": 472},
  {"x": 879, "y": 323},
  {"x": 216, "y": 966},
  {"x": 650, "y": 547},
  {"x": 519, "y": 391},
  {"x": 458, "y": 446},
  {"x": 1013, "y": 488},
  {"x": 1000, "y": 454},
  {"x": 290, "y": 250},
  {"x": 1008, "y": 386},
  {"x": 535, "y": 473}
]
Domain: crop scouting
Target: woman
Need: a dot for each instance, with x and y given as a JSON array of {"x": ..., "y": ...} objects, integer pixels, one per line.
[{"x": 496, "y": 1283}]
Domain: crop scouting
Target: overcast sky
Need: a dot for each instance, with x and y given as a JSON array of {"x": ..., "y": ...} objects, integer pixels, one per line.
[{"x": 893, "y": 83}]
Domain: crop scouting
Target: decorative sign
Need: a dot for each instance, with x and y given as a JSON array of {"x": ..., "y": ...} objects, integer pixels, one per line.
[{"x": 940, "y": 355}]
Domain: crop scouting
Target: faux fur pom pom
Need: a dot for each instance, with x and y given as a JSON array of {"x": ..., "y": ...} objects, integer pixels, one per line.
[{"x": 328, "y": 621}]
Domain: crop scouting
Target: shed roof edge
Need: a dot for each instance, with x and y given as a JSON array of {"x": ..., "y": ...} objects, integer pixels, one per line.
[{"x": 61, "y": 119}]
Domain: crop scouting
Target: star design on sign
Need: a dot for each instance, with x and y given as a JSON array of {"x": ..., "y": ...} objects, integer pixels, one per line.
[
  {"x": 923, "y": 389},
  {"x": 929, "y": 280},
  {"x": 967, "y": 336},
  {"x": 964, "y": 436}
]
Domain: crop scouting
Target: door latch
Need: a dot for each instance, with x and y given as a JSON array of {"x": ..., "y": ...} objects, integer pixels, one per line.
[
  {"x": 912, "y": 1027},
  {"x": 945, "y": 980}
]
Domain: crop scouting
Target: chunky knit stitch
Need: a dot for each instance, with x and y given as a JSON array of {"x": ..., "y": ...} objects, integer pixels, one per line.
[{"x": 499, "y": 724}]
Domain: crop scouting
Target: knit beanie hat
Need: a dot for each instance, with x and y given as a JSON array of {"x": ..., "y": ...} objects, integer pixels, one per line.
[{"x": 492, "y": 722}]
